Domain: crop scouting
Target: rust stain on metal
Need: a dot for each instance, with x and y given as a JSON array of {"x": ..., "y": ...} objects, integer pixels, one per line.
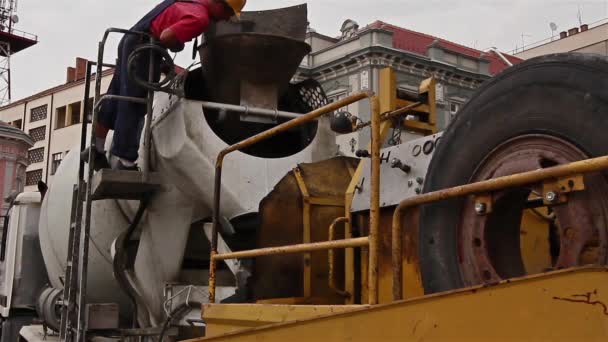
[
  {"x": 490, "y": 185},
  {"x": 585, "y": 299}
]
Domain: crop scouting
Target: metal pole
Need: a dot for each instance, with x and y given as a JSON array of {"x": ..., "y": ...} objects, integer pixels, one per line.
[
  {"x": 253, "y": 111},
  {"x": 296, "y": 249},
  {"x": 302, "y": 119},
  {"x": 500, "y": 183},
  {"x": 374, "y": 212},
  {"x": 85, "y": 120},
  {"x": 84, "y": 243},
  {"x": 147, "y": 133},
  {"x": 389, "y": 115}
]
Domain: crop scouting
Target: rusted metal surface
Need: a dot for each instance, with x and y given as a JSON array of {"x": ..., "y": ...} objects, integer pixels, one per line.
[
  {"x": 251, "y": 141},
  {"x": 349, "y": 255},
  {"x": 237, "y": 66},
  {"x": 412, "y": 281},
  {"x": 331, "y": 260},
  {"x": 374, "y": 202},
  {"x": 306, "y": 230},
  {"x": 567, "y": 305},
  {"x": 239, "y": 69},
  {"x": 490, "y": 244},
  {"x": 288, "y": 22},
  {"x": 491, "y": 185},
  {"x": 294, "y": 249},
  {"x": 282, "y": 217}
]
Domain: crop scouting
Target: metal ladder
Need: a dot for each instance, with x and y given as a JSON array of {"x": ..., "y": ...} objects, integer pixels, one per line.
[{"x": 106, "y": 184}]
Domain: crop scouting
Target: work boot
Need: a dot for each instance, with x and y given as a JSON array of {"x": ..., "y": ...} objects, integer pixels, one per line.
[
  {"x": 99, "y": 159},
  {"x": 117, "y": 164}
]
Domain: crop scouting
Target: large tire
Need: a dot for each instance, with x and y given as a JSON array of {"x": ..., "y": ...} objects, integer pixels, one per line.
[{"x": 561, "y": 95}]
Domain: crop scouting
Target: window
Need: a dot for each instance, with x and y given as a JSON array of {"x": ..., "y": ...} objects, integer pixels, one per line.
[
  {"x": 38, "y": 134},
  {"x": 17, "y": 123},
  {"x": 36, "y": 155},
  {"x": 38, "y": 113},
  {"x": 74, "y": 110},
  {"x": 33, "y": 177},
  {"x": 454, "y": 108},
  {"x": 57, "y": 157},
  {"x": 61, "y": 113}
]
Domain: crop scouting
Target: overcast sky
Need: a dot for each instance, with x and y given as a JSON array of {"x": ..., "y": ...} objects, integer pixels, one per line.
[{"x": 71, "y": 28}]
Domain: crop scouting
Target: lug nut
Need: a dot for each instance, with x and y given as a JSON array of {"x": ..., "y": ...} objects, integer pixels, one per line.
[
  {"x": 480, "y": 208},
  {"x": 551, "y": 196}
]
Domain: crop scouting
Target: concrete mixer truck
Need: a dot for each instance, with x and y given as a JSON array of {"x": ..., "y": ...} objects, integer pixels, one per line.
[
  {"x": 245, "y": 224},
  {"x": 138, "y": 259}
]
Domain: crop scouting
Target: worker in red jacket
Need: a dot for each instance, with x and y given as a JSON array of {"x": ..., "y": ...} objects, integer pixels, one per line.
[{"x": 172, "y": 23}]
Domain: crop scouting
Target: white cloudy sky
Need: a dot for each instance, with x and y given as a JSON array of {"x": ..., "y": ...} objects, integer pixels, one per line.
[{"x": 71, "y": 28}]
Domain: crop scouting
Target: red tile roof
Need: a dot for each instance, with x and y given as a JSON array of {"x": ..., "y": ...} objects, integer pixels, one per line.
[{"x": 418, "y": 42}]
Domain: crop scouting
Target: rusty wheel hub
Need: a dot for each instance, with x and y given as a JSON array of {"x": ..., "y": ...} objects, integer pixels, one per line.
[{"x": 492, "y": 245}]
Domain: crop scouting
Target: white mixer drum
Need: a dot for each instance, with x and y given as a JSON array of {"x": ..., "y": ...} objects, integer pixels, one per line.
[{"x": 107, "y": 222}]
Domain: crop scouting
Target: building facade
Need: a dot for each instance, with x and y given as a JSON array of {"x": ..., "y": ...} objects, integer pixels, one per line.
[
  {"x": 586, "y": 39},
  {"x": 343, "y": 65},
  {"x": 53, "y": 118},
  {"x": 14, "y": 145},
  {"x": 351, "y": 63}
]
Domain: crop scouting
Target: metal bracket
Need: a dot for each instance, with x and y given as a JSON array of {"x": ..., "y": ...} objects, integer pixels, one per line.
[{"x": 556, "y": 191}]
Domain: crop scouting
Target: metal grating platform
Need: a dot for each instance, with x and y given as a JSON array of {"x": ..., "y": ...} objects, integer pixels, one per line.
[{"x": 120, "y": 184}]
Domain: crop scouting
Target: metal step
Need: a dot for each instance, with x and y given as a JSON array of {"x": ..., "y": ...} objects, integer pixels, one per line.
[{"x": 120, "y": 184}]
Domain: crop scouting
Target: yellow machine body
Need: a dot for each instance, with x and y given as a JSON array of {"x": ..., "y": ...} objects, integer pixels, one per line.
[
  {"x": 563, "y": 305},
  {"x": 567, "y": 305}
]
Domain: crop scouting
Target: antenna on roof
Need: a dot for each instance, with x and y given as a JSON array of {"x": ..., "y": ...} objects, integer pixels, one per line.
[
  {"x": 553, "y": 27},
  {"x": 523, "y": 43}
]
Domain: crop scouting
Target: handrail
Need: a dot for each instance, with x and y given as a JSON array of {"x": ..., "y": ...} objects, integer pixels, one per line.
[
  {"x": 254, "y": 140},
  {"x": 330, "y": 258},
  {"x": 519, "y": 179},
  {"x": 295, "y": 249}
]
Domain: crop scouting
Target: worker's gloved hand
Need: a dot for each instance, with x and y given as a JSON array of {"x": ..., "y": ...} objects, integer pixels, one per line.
[{"x": 166, "y": 68}]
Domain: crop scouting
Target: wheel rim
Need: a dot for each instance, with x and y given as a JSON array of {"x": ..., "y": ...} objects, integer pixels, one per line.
[{"x": 495, "y": 246}]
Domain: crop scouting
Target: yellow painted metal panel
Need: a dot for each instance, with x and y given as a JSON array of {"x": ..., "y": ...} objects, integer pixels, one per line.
[
  {"x": 534, "y": 241},
  {"x": 568, "y": 305},
  {"x": 225, "y": 318}
]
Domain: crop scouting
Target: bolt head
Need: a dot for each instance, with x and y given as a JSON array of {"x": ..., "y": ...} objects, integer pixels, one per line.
[
  {"x": 480, "y": 208},
  {"x": 395, "y": 162},
  {"x": 551, "y": 196}
]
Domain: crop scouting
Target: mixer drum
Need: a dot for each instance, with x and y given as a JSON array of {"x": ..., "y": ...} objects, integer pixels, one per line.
[{"x": 107, "y": 222}]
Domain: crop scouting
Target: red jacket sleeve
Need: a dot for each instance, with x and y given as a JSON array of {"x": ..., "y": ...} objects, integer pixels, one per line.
[{"x": 190, "y": 27}]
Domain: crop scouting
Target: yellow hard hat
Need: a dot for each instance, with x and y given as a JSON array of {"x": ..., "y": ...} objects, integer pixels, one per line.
[{"x": 237, "y": 6}]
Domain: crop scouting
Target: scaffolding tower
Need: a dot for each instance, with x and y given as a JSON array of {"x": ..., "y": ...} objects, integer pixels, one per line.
[{"x": 11, "y": 42}]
